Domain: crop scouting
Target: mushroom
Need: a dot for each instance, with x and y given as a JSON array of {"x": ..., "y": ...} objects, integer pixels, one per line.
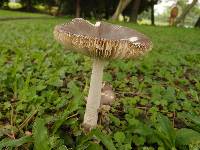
[
  {"x": 107, "y": 95},
  {"x": 102, "y": 41}
]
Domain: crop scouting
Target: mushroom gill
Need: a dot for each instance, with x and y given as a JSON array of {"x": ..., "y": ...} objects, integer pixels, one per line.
[{"x": 105, "y": 41}]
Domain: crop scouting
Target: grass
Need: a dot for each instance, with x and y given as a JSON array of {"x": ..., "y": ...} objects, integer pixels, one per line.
[
  {"x": 43, "y": 90},
  {"x": 17, "y": 14}
]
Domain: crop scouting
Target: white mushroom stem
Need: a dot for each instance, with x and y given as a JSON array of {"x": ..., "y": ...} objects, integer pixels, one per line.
[{"x": 94, "y": 97}]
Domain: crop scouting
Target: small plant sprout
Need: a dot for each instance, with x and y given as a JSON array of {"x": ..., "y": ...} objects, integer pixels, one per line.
[{"x": 102, "y": 42}]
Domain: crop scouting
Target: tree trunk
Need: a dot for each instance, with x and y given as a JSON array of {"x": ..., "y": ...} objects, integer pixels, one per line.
[
  {"x": 107, "y": 12},
  {"x": 78, "y": 9},
  {"x": 152, "y": 14},
  {"x": 134, "y": 11},
  {"x": 197, "y": 24},
  {"x": 120, "y": 8},
  {"x": 60, "y": 6},
  {"x": 29, "y": 5},
  {"x": 185, "y": 12}
]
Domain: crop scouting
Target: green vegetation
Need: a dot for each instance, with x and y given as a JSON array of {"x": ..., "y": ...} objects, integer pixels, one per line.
[
  {"x": 13, "y": 5},
  {"x": 43, "y": 90},
  {"x": 16, "y": 14}
]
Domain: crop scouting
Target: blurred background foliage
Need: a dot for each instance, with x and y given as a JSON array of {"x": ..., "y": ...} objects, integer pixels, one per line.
[{"x": 142, "y": 11}]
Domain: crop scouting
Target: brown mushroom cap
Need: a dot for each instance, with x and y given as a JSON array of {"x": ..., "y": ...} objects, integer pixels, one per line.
[{"x": 102, "y": 40}]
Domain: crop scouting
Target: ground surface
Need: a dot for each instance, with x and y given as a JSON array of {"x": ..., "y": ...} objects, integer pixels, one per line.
[{"x": 43, "y": 90}]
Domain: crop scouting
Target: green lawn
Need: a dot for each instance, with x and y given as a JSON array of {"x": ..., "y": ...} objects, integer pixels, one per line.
[
  {"x": 43, "y": 90},
  {"x": 16, "y": 14}
]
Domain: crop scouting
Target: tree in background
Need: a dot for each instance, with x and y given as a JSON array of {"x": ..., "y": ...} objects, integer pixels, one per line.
[
  {"x": 152, "y": 3},
  {"x": 185, "y": 12},
  {"x": 28, "y": 4},
  {"x": 145, "y": 5},
  {"x": 135, "y": 10},
  {"x": 197, "y": 24},
  {"x": 2, "y": 2},
  {"x": 97, "y": 9},
  {"x": 120, "y": 8},
  {"x": 78, "y": 9}
]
